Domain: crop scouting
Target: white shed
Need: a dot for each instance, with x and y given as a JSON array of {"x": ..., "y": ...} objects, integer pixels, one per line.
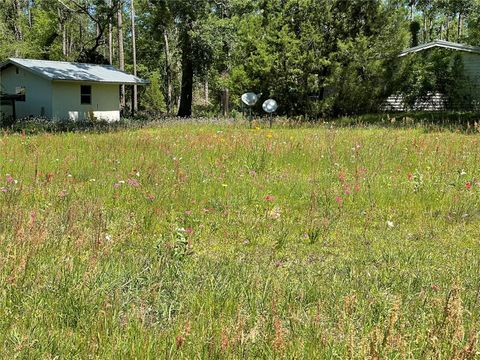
[{"x": 64, "y": 90}]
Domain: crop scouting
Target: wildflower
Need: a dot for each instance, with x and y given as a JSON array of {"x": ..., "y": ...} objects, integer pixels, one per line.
[
  {"x": 133, "y": 182},
  {"x": 275, "y": 213},
  {"x": 189, "y": 230},
  {"x": 108, "y": 237},
  {"x": 410, "y": 176},
  {"x": 463, "y": 173},
  {"x": 116, "y": 185},
  {"x": 390, "y": 224},
  {"x": 92, "y": 180},
  {"x": 3, "y": 189},
  {"x": 9, "y": 178},
  {"x": 150, "y": 197},
  {"x": 468, "y": 185},
  {"x": 339, "y": 199},
  {"x": 188, "y": 212},
  {"x": 62, "y": 193},
  {"x": 224, "y": 185},
  {"x": 69, "y": 175},
  {"x": 269, "y": 198}
]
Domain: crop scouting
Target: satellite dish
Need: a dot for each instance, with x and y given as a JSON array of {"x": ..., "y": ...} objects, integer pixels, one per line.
[
  {"x": 270, "y": 106},
  {"x": 250, "y": 99}
]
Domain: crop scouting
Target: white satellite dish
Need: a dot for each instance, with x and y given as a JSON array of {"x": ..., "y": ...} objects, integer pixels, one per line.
[
  {"x": 250, "y": 99},
  {"x": 270, "y": 106}
]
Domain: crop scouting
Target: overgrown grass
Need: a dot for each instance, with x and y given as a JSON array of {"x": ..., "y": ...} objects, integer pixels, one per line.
[{"x": 218, "y": 241}]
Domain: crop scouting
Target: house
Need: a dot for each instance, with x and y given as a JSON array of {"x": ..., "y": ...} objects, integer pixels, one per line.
[
  {"x": 63, "y": 90},
  {"x": 470, "y": 56}
]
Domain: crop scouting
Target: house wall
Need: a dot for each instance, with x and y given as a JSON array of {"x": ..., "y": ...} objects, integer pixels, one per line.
[
  {"x": 38, "y": 92},
  {"x": 471, "y": 64},
  {"x": 66, "y": 103}
]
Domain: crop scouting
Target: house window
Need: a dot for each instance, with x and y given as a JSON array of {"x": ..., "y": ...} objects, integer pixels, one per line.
[
  {"x": 86, "y": 94},
  {"x": 20, "y": 90}
]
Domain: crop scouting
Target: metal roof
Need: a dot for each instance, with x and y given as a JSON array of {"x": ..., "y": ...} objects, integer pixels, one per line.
[
  {"x": 442, "y": 44},
  {"x": 70, "y": 71}
]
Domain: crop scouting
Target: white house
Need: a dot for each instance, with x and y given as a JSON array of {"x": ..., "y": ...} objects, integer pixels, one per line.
[
  {"x": 64, "y": 90},
  {"x": 436, "y": 101}
]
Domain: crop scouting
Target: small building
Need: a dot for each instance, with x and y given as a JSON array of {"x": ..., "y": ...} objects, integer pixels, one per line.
[
  {"x": 435, "y": 100},
  {"x": 60, "y": 90}
]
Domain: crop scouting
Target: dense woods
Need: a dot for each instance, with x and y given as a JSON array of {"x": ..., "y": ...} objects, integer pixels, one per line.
[{"x": 316, "y": 57}]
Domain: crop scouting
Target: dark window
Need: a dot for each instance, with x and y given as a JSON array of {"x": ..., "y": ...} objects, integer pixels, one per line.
[
  {"x": 16, "y": 70},
  {"x": 85, "y": 94},
  {"x": 20, "y": 90}
]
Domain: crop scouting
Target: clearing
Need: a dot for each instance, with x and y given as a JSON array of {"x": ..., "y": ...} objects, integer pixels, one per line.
[{"x": 217, "y": 241}]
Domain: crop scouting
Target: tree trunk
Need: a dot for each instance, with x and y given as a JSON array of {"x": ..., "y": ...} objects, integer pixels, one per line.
[
  {"x": 448, "y": 28},
  {"x": 18, "y": 13},
  {"x": 424, "y": 28},
  {"x": 185, "y": 108},
  {"x": 459, "y": 26},
  {"x": 110, "y": 37},
  {"x": 226, "y": 103},
  {"x": 207, "y": 91},
  {"x": 168, "y": 73},
  {"x": 121, "y": 54},
  {"x": 134, "y": 55}
]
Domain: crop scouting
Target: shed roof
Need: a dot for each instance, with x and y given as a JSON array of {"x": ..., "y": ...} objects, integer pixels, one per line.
[
  {"x": 71, "y": 71},
  {"x": 441, "y": 44}
]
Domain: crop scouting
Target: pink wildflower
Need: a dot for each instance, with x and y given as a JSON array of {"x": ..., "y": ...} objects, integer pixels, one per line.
[
  {"x": 3, "y": 189},
  {"x": 10, "y": 179},
  {"x": 269, "y": 198},
  {"x": 133, "y": 182}
]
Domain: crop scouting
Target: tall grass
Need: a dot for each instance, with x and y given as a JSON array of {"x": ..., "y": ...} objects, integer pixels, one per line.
[{"x": 217, "y": 241}]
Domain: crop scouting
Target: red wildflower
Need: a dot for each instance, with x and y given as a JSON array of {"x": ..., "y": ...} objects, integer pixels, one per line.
[
  {"x": 410, "y": 176},
  {"x": 468, "y": 185},
  {"x": 269, "y": 198}
]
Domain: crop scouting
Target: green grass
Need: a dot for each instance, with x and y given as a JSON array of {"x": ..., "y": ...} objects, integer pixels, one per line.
[{"x": 217, "y": 241}]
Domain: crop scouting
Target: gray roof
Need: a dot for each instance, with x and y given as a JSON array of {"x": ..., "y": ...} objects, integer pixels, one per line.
[
  {"x": 70, "y": 71},
  {"x": 441, "y": 44}
]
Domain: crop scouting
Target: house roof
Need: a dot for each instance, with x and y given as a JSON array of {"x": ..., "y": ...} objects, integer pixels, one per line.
[
  {"x": 441, "y": 44},
  {"x": 70, "y": 71}
]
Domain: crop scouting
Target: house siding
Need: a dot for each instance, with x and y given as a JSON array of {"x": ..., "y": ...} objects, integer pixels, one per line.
[
  {"x": 67, "y": 105},
  {"x": 471, "y": 64},
  {"x": 38, "y": 98}
]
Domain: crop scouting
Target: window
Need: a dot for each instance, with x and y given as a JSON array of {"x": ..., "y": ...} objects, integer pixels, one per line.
[
  {"x": 20, "y": 90},
  {"x": 85, "y": 94}
]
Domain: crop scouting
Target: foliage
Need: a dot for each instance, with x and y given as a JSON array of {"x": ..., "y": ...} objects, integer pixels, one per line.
[
  {"x": 317, "y": 58},
  {"x": 433, "y": 71},
  {"x": 152, "y": 99}
]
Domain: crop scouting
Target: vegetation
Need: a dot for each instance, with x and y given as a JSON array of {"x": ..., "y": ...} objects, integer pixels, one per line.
[
  {"x": 219, "y": 241},
  {"x": 317, "y": 58}
]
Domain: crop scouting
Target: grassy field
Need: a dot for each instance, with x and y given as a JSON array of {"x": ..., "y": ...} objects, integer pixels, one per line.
[{"x": 219, "y": 241}]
